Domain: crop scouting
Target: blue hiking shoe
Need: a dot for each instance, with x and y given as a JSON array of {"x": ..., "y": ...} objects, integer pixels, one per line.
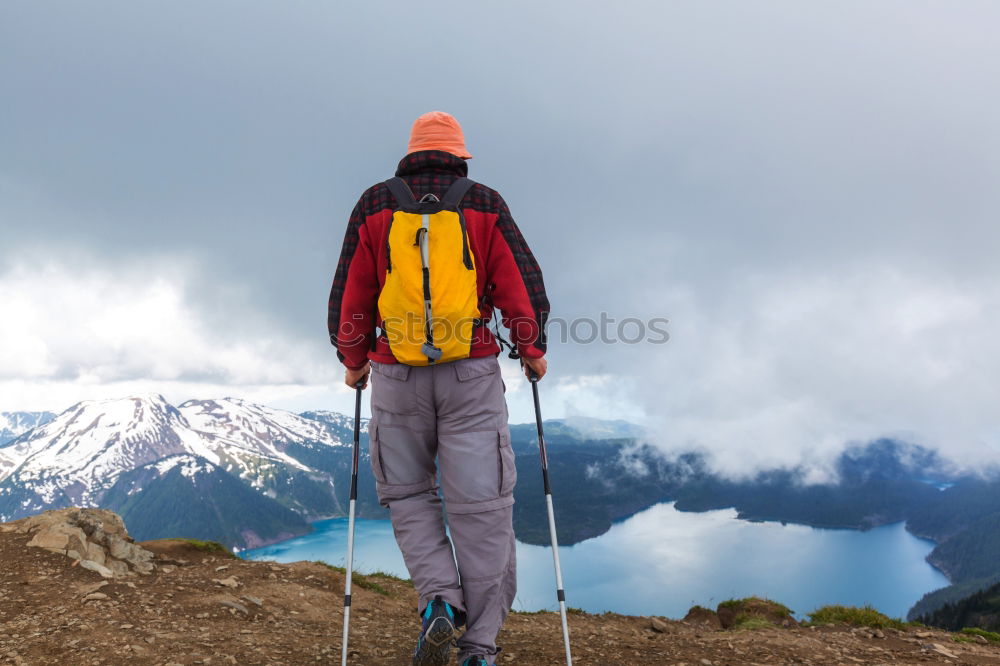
[
  {"x": 476, "y": 661},
  {"x": 436, "y": 633}
]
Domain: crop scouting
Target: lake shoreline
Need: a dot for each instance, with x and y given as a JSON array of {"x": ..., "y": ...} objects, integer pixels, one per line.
[
  {"x": 849, "y": 528},
  {"x": 662, "y": 561}
]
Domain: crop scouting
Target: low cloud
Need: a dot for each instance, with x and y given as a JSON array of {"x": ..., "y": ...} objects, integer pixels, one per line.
[
  {"x": 788, "y": 369},
  {"x": 86, "y": 325},
  {"x": 774, "y": 370}
]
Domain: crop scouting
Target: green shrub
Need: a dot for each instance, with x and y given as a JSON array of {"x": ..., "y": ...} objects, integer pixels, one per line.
[
  {"x": 991, "y": 636},
  {"x": 865, "y": 616}
]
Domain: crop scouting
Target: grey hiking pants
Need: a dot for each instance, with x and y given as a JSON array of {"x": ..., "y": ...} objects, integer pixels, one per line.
[{"x": 454, "y": 412}]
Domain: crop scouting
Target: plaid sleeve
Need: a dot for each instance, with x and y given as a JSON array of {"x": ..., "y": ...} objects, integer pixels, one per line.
[
  {"x": 520, "y": 293},
  {"x": 350, "y": 246}
]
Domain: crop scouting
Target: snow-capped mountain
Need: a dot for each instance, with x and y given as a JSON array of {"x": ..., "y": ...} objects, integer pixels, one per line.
[
  {"x": 79, "y": 454},
  {"x": 99, "y": 450},
  {"x": 259, "y": 430},
  {"x": 15, "y": 424},
  {"x": 284, "y": 455}
]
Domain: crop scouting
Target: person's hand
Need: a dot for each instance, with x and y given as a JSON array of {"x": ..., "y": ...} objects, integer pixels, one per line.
[
  {"x": 538, "y": 366},
  {"x": 353, "y": 377}
]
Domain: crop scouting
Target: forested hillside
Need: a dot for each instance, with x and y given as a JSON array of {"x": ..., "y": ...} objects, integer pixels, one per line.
[{"x": 981, "y": 609}]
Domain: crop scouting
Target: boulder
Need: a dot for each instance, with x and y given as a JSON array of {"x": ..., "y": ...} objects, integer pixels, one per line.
[
  {"x": 97, "y": 568},
  {"x": 658, "y": 625},
  {"x": 95, "y": 537},
  {"x": 95, "y": 553}
]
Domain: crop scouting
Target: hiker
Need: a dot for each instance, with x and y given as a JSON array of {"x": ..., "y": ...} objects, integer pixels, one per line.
[{"x": 426, "y": 258}]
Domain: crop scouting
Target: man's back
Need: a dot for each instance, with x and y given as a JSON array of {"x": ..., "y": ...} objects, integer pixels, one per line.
[
  {"x": 444, "y": 420},
  {"x": 507, "y": 274}
]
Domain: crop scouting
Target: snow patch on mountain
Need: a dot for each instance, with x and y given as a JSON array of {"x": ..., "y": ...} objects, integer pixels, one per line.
[
  {"x": 189, "y": 465},
  {"x": 340, "y": 426},
  {"x": 7, "y": 464}
]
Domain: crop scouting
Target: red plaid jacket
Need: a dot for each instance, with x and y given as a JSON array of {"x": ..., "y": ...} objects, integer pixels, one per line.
[{"x": 506, "y": 271}]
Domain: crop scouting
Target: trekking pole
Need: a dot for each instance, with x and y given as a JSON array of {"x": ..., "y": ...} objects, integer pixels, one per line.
[
  {"x": 560, "y": 593},
  {"x": 350, "y": 523}
]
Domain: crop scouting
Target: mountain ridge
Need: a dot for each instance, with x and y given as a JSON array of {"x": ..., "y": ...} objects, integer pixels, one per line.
[{"x": 79, "y": 456}]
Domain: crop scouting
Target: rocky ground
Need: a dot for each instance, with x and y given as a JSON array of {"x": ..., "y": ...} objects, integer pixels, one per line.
[{"x": 200, "y": 606}]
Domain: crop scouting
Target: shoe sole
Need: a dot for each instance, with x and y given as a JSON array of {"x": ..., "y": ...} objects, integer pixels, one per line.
[{"x": 435, "y": 644}]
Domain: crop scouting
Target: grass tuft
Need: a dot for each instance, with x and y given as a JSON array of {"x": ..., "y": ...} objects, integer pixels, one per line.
[
  {"x": 366, "y": 582},
  {"x": 213, "y": 547},
  {"x": 571, "y": 610},
  {"x": 756, "y": 601},
  {"x": 747, "y": 622},
  {"x": 388, "y": 576},
  {"x": 866, "y": 616},
  {"x": 991, "y": 636}
]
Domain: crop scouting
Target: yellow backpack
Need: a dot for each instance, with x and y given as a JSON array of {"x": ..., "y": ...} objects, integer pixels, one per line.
[{"x": 429, "y": 304}]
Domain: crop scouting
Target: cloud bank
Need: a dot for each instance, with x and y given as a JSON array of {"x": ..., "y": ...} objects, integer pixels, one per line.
[{"x": 805, "y": 190}]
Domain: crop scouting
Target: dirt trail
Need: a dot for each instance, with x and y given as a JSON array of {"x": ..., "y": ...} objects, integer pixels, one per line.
[{"x": 207, "y": 608}]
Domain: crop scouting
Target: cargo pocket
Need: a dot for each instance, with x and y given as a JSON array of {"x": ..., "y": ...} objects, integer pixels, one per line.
[
  {"x": 471, "y": 368},
  {"x": 476, "y": 396},
  {"x": 375, "y": 453},
  {"x": 477, "y": 467},
  {"x": 393, "y": 389},
  {"x": 508, "y": 466}
]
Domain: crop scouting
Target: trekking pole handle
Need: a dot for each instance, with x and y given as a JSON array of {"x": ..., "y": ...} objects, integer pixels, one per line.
[
  {"x": 532, "y": 375},
  {"x": 357, "y": 427}
]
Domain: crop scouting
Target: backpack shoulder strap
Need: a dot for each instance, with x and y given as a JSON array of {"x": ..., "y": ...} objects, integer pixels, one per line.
[
  {"x": 402, "y": 192},
  {"x": 453, "y": 197}
]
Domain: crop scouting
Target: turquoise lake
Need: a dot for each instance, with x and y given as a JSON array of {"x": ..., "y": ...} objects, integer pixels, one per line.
[{"x": 663, "y": 561}]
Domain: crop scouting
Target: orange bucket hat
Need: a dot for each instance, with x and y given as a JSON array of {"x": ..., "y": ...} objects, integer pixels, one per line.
[{"x": 438, "y": 130}]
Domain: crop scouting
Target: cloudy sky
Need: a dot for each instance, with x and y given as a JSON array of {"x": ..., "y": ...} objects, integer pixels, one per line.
[{"x": 807, "y": 191}]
